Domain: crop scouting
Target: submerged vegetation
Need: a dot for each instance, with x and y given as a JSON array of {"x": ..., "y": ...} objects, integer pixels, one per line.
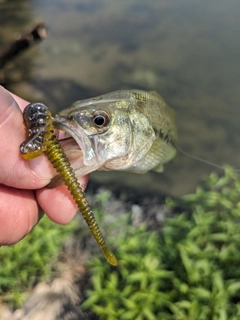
[{"x": 187, "y": 269}]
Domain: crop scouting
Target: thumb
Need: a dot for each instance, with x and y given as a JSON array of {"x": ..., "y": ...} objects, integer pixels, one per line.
[{"x": 15, "y": 171}]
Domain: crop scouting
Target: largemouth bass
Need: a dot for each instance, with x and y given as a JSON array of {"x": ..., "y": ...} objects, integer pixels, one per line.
[{"x": 128, "y": 130}]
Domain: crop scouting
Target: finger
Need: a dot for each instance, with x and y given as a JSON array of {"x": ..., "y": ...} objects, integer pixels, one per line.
[
  {"x": 58, "y": 203},
  {"x": 18, "y": 172},
  {"x": 19, "y": 213}
]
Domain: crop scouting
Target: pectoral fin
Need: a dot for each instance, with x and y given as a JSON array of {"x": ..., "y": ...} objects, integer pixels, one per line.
[{"x": 158, "y": 168}]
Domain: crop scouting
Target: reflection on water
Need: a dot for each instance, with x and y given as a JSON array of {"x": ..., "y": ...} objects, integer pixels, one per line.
[{"x": 187, "y": 50}]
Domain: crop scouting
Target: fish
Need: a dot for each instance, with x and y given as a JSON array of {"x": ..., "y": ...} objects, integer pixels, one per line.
[{"x": 125, "y": 130}]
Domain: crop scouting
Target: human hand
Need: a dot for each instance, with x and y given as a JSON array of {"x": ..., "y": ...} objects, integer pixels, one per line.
[{"x": 23, "y": 183}]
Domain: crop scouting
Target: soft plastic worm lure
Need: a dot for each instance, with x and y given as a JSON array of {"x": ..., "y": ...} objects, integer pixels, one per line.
[{"x": 41, "y": 139}]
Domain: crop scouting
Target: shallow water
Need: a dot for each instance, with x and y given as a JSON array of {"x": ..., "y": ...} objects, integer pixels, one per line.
[{"x": 187, "y": 50}]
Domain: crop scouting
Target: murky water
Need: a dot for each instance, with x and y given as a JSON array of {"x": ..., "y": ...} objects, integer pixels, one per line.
[{"x": 187, "y": 50}]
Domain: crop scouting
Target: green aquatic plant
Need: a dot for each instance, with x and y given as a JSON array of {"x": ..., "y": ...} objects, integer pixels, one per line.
[
  {"x": 29, "y": 261},
  {"x": 188, "y": 270}
]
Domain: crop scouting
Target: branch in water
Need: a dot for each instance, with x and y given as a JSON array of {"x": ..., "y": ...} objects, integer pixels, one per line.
[{"x": 25, "y": 41}]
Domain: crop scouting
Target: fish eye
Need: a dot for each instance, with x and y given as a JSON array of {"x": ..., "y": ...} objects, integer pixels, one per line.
[{"x": 100, "y": 118}]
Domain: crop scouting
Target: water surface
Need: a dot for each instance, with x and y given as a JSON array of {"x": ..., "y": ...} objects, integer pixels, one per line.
[{"x": 186, "y": 50}]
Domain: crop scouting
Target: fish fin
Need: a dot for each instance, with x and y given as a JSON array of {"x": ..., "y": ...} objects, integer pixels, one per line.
[
  {"x": 157, "y": 95},
  {"x": 159, "y": 168}
]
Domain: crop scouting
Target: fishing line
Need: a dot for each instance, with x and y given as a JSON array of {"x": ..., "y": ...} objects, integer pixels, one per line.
[
  {"x": 65, "y": 139},
  {"x": 210, "y": 163},
  {"x": 201, "y": 159}
]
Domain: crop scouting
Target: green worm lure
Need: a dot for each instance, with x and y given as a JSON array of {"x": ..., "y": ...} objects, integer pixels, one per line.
[{"x": 41, "y": 139}]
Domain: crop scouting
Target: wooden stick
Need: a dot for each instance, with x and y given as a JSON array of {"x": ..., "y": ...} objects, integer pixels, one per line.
[{"x": 25, "y": 41}]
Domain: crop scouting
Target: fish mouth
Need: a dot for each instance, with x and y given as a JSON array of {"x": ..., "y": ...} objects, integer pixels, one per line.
[
  {"x": 71, "y": 148},
  {"x": 74, "y": 139},
  {"x": 77, "y": 147}
]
